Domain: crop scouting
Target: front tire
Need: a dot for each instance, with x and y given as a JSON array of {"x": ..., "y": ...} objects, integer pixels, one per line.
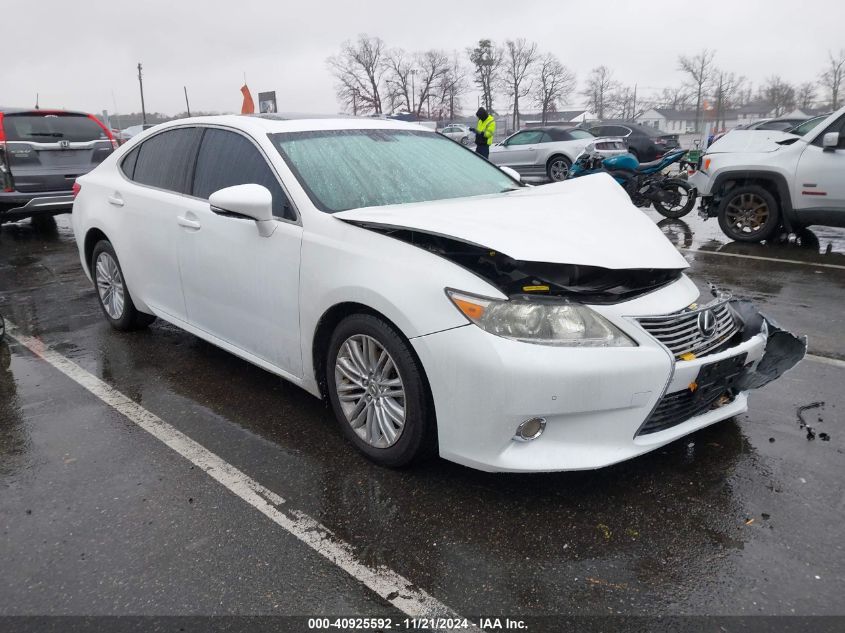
[
  {"x": 749, "y": 214},
  {"x": 112, "y": 293},
  {"x": 378, "y": 393},
  {"x": 558, "y": 168}
]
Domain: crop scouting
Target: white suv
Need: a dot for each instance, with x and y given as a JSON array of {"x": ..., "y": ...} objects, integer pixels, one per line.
[{"x": 757, "y": 181}]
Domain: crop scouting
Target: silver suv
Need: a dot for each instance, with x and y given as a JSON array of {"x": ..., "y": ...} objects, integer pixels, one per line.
[{"x": 42, "y": 152}]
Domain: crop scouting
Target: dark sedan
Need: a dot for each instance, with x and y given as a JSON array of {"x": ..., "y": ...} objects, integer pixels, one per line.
[{"x": 646, "y": 143}]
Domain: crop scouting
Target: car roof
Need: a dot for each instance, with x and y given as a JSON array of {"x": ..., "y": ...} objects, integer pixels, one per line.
[
  {"x": 5, "y": 110},
  {"x": 274, "y": 123}
]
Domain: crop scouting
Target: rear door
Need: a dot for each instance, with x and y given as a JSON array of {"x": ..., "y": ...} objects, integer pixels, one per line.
[
  {"x": 150, "y": 201},
  {"x": 47, "y": 151}
]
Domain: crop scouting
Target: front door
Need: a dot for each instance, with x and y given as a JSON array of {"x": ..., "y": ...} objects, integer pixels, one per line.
[
  {"x": 519, "y": 151},
  {"x": 241, "y": 287},
  {"x": 820, "y": 176}
]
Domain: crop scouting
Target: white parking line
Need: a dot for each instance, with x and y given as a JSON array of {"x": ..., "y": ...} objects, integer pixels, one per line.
[
  {"x": 391, "y": 586},
  {"x": 763, "y": 259},
  {"x": 826, "y": 360}
]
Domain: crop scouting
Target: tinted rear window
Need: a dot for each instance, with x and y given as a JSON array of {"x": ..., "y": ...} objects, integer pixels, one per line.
[
  {"x": 52, "y": 128},
  {"x": 166, "y": 160}
]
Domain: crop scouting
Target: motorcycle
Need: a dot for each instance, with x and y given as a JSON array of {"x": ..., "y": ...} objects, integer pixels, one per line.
[{"x": 645, "y": 183}]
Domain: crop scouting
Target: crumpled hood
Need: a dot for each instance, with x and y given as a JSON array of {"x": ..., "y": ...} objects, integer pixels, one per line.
[
  {"x": 749, "y": 141},
  {"x": 588, "y": 221}
]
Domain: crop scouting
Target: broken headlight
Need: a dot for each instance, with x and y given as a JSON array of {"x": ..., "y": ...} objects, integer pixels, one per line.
[{"x": 544, "y": 323}]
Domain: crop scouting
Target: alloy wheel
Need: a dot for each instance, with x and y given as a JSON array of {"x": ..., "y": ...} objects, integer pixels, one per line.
[
  {"x": 747, "y": 213},
  {"x": 559, "y": 170},
  {"x": 110, "y": 286},
  {"x": 370, "y": 391}
]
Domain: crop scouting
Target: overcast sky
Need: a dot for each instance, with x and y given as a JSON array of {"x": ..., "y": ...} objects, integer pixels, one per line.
[{"x": 83, "y": 54}]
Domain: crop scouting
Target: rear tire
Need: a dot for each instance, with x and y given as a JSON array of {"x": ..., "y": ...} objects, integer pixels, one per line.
[
  {"x": 677, "y": 207},
  {"x": 43, "y": 223},
  {"x": 557, "y": 169},
  {"x": 112, "y": 293},
  {"x": 749, "y": 214},
  {"x": 378, "y": 393}
]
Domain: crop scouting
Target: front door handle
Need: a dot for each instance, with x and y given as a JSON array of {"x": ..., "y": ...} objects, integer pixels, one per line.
[
  {"x": 188, "y": 224},
  {"x": 116, "y": 200}
]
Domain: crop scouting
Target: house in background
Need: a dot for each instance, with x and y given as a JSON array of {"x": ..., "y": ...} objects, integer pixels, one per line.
[
  {"x": 754, "y": 111},
  {"x": 669, "y": 121}
]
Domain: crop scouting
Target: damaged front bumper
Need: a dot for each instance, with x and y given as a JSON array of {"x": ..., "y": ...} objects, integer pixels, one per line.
[{"x": 596, "y": 403}]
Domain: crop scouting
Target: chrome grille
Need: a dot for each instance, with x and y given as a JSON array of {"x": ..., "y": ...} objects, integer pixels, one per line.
[{"x": 680, "y": 331}]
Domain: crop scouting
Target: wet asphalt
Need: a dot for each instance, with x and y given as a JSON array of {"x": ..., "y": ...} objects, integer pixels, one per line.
[{"x": 99, "y": 518}]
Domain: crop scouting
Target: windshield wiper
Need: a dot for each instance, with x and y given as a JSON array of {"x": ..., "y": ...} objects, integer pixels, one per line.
[
  {"x": 52, "y": 134},
  {"x": 506, "y": 189}
]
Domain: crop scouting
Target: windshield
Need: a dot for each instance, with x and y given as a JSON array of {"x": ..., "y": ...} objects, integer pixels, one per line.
[
  {"x": 806, "y": 126},
  {"x": 349, "y": 169},
  {"x": 580, "y": 134},
  {"x": 52, "y": 128}
]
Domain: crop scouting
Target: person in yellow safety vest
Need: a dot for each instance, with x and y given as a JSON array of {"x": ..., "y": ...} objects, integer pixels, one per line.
[{"x": 484, "y": 131}]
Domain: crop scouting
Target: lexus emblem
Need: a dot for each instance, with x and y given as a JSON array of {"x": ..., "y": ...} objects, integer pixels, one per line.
[
  {"x": 707, "y": 323},
  {"x": 64, "y": 144}
]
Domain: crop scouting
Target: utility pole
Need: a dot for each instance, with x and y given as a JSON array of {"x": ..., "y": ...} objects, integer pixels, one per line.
[
  {"x": 141, "y": 84},
  {"x": 413, "y": 91},
  {"x": 634, "y": 106},
  {"x": 187, "y": 105}
]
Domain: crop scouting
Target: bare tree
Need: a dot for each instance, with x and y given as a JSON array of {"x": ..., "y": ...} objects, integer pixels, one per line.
[
  {"x": 676, "y": 98},
  {"x": 780, "y": 94},
  {"x": 519, "y": 59},
  {"x": 726, "y": 88},
  {"x": 699, "y": 68},
  {"x": 486, "y": 57},
  {"x": 398, "y": 79},
  {"x": 431, "y": 67},
  {"x": 453, "y": 85},
  {"x": 600, "y": 90},
  {"x": 359, "y": 70},
  {"x": 554, "y": 83},
  {"x": 831, "y": 78},
  {"x": 805, "y": 95}
]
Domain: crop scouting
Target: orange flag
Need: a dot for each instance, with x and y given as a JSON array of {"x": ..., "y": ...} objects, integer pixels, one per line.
[{"x": 248, "y": 107}]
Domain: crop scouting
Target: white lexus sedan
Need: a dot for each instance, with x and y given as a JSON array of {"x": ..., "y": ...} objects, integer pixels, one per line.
[{"x": 438, "y": 304}]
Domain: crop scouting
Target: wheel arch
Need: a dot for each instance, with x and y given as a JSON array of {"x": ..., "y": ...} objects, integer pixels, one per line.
[
  {"x": 558, "y": 154},
  {"x": 92, "y": 237},
  {"x": 772, "y": 182},
  {"x": 323, "y": 333}
]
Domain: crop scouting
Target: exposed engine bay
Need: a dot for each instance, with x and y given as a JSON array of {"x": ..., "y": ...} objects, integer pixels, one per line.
[{"x": 587, "y": 284}]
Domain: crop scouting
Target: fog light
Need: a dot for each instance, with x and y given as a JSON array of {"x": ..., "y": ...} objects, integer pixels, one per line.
[{"x": 529, "y": 430}]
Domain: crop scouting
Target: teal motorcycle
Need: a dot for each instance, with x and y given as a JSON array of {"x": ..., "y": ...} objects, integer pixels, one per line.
[{"x": 646, "y": 183}]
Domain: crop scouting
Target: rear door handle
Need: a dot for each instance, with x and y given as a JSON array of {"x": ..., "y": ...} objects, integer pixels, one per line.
[
  {"x": 116, "y": 200},
  {"x": 188, "y": 224}
]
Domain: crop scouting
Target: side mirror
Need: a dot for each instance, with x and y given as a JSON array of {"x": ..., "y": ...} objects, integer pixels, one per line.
[
  {"x": 511, "y": 172},
  {"x": 830, "y": 140},
  {"x": 248, "y": 201}
]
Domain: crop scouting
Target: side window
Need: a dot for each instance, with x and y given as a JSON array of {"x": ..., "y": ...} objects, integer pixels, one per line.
[
  {"x": 227, "y": 159},
  {"x": 525, "y": 138},
  {"x": 127, "y": 165},
  {"x": 166, "y": 160},
  {"x": 545, "y": 138},
  {"x": 836, "y": 126}
]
